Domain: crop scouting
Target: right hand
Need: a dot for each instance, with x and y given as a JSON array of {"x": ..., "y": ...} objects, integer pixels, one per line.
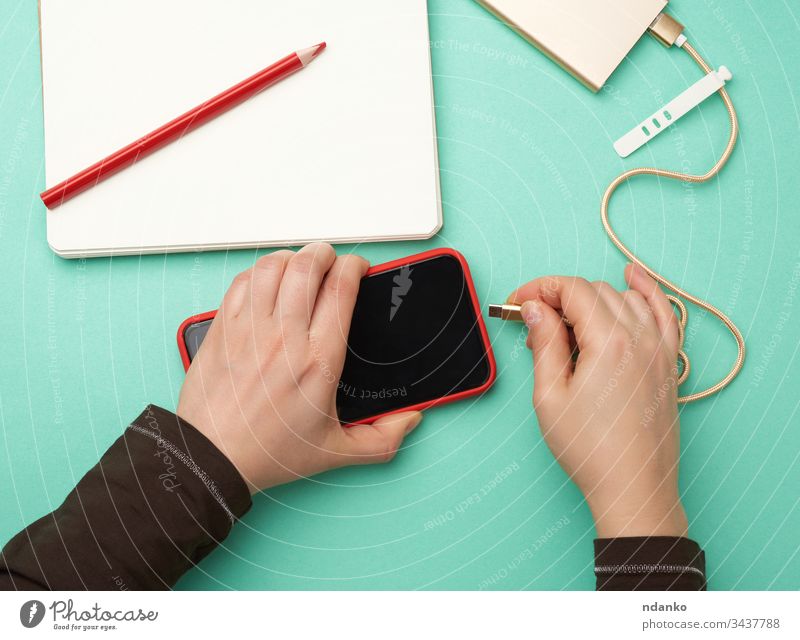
[
  {"x": 610, "y": 418},
  {"x": 263, "y": 385}
]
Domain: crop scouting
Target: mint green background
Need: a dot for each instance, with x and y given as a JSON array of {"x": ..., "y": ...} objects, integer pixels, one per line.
[{"x": 525, "y": 155}]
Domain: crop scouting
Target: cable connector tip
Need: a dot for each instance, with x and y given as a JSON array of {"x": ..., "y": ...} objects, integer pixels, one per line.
[
  {"x": 511, "y": 312},
  {"x": 667, "y": 30}
]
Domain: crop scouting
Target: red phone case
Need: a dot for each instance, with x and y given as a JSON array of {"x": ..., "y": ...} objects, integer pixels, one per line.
[{"x": 388, "y": 266}]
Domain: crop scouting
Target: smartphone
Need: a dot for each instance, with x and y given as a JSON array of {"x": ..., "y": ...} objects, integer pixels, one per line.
[{"x": 417, "y": 339}]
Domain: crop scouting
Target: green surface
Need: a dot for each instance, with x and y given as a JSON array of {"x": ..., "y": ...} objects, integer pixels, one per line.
[{"x": 525, "y": 155}]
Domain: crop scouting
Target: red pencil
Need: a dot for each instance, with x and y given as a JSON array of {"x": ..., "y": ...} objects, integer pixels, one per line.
[{"x": 179, "y": 126}]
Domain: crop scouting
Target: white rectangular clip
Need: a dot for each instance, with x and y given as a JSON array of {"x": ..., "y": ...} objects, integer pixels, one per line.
[{"x": 667, "y": 115}]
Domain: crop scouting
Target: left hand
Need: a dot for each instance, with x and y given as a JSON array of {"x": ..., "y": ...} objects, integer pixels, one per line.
[{"x": 263, "y": 385}]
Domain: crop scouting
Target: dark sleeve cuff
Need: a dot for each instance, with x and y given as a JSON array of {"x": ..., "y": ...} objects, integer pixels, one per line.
[
  {"x": 159, "y": 500},
  {"x": 178, "y": 442},
  {"x": 660, "y": 563}
]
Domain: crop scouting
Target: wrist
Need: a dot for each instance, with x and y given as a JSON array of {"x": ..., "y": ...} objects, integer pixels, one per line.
[
  {"x": 652, "y": 517},
  {"x": 213, "y": 434}
]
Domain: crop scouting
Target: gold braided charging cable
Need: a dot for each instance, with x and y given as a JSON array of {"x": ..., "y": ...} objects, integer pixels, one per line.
[{"x": 685, "y": 177}]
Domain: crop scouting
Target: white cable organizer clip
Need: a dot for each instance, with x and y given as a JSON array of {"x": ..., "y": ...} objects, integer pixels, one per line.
[{"x": 670, "y": 113}]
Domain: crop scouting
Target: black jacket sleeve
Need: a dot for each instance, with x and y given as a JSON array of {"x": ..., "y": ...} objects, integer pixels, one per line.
[
  {"x": 163, "y": 497},
  {"x": 649, "y": 564},
  {"x": 160, "y": 499}
]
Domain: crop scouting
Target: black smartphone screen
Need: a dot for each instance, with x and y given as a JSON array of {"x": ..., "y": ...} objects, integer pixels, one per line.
[{"x": 414, "y": 338}]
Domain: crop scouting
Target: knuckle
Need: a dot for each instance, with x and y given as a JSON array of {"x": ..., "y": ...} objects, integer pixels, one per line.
[
  {"x": 273, "y": 261},
  {"x": 341, "y": 285},
  {"x": 322, "y": 250},
  {"x": 550, "y": 284},
  {"x": 387, "y": 450},
  {"x": 673, "y": 326},
  {"x": 645, "y": 316},
  {"x": 320, "y": 246},
  {"x": 388, "y": 455},
  {"x": 577, "y": 287},
  {"x": 635, "y": 297},
  {"x": 356, "y": 261},
  {"x": 605, "y": 291},
  {"x": 243, "y": 278},
  {"x": 303, "y": 262},
  {"x": 618, "y": 341}
]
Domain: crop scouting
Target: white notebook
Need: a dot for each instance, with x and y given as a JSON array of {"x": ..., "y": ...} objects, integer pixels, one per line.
[{"x": 343, "y": 151}]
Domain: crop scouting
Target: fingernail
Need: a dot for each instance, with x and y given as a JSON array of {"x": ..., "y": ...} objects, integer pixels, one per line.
[{"x": 532, "y": 313}]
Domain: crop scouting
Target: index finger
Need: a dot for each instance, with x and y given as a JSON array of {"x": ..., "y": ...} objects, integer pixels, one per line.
[
  {"x": 330, "y": 324},
  {"x": 579, "y": 302},
  {"x": 300, "y": 285}
]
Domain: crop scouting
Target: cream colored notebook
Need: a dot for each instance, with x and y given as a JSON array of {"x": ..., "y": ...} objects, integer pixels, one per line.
[{"x": 343, "y": 151}]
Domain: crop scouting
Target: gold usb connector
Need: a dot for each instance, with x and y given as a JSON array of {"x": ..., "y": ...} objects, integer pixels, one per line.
[
  {"x": 512, "y": 312},
  {"x": 666, "y": 29}
]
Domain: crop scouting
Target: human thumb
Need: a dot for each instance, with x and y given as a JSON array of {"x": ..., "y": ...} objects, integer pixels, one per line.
[{"x": 379, "y": 441}]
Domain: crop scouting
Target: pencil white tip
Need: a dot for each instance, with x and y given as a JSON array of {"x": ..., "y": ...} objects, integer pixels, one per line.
[{"x": 307, "y": 55}]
